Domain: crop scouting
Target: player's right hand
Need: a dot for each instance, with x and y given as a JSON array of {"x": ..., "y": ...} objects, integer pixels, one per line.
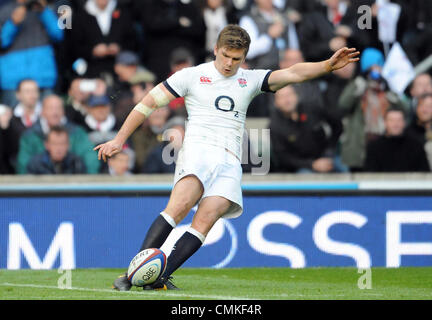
[{"x": 108, "y": 149}]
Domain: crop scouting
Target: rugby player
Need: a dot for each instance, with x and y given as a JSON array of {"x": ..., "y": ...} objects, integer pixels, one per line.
[{"x": 208, "y": 169}]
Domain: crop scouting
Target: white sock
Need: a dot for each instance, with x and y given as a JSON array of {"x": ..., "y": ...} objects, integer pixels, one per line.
[
  {"x": 197, "y": 234},
  {"x": 168, "y": 219}
]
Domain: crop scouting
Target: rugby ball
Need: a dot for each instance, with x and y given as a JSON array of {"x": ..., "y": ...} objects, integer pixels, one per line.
[{"x": 146, "y": 267}]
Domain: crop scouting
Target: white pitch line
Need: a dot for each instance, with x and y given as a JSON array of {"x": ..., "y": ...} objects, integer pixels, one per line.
[
  {"x": 169, "y": 294},
  {"x": 143, "y": 293}
]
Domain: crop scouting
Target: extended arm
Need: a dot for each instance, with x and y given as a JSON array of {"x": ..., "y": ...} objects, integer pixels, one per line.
[
  {"x": 308, "y": 70},
  {"x": 157, "y": 97}
]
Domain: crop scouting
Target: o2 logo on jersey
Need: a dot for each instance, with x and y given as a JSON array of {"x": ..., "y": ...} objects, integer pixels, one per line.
[{"x": 226, "y": 104}]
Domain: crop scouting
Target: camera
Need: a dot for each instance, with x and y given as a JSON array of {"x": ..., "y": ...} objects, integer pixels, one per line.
[{"x": 87, "y": 85}]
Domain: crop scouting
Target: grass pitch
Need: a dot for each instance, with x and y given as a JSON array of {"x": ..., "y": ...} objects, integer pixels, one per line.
[{"x": 226, "y": 284}]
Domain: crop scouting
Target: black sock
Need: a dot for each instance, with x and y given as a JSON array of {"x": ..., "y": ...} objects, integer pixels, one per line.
[
  {"x": 184, "y": 248},
  {"x": 157, "y": 234}
]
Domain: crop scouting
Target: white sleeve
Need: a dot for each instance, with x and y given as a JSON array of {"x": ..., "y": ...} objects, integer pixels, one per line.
[
  {"x": 261, "y": 80},
  {"x": 260, "y": 44},
  {"x": 178, "y": 83}
]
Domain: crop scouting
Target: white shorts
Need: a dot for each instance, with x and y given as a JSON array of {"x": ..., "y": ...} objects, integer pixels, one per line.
[{"x": 219, "y": 171}]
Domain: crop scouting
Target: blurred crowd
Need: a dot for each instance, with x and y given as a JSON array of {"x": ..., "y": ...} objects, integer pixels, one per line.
[{"x": 71, "y": 71}]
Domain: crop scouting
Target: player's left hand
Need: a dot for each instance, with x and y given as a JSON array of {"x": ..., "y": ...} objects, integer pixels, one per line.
[
  {"x": 342, "y": 57},
  {"x": 108, "y": 149}
]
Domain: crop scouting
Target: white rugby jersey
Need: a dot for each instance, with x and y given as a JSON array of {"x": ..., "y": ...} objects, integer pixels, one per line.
[{"x": 216, "y": 104}]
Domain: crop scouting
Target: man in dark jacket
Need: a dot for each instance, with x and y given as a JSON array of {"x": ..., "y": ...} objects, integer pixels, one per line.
[
  {"x": 395, "y": 151},
  {"x": 299, "y": 140},
  {"x": 100, "y": 31},
  {"x": 25, "y": 115},
  {"x": 322, "y": 32},
  {"x": 170, "y": 24},
  {"x": 56, "y": 159}
]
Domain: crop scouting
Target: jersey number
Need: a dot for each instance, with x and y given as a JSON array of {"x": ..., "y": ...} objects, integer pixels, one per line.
[{"x": 226, "y": 104}]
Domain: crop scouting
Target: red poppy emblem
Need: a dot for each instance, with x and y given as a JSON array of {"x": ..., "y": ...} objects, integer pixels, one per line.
[
  {"x": 303, "y": 117},
  {"x": 116, "y": 14}
]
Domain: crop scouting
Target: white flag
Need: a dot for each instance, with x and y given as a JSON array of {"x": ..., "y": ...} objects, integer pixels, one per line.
[
  {"x": 398, "y": 70},
  {"x": 388, "y": 16}
]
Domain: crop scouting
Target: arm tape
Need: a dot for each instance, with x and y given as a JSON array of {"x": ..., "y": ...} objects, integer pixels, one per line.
[
  {"x": 145, "y": 110},
  {"x": 159, "y": 96}
]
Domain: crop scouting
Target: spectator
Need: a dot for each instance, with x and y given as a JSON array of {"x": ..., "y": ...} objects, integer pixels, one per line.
[
  {"x": 294, "y": 9},
  {"x": 290, "y": 57},
  {"x": 129, "y": 74},
  {"x": 364, "y": 102},
  {"x": 101, "y": 30},
  {"x": 322, "y": 32},
  {"x": 28, "y": 32},
  {"x": 170, "y": 24},
  {"x": 180, "y": 58},
  {"x": 141, "y": 83},
  {"x": 162, "y": 157},
  {"x": 121, "y": 163},
  {"x": 417, "y": 35},
  {"x": 32, "y": 141},
  {"x": 79, "y": 91},
  {"x": 29, "y": 107},
  {"x": 64, "y": 50},
  {"x": 310, "y": 92},
  {"x": 335, "y": 84},
  {"x": 421, "y": 85},
  {"x": 100, "y": 122},
  {"x": 395, "y": 151},
  {"x": 269, "y": 33},
  {"x": 421, "y": 127},
  {"x": 25, "y": 114},
  {"x": 217, "y": 14},
  {"x": 299, "y": 141},
  {"x": 149, "y": 135},
  {"x": 240, "y": 6},
  {"x": 56, "y": 159},
  {"x": 369, "y": 36},
  {"x": 6, "y": 166},
  {"x": 126, "y": 66}
]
